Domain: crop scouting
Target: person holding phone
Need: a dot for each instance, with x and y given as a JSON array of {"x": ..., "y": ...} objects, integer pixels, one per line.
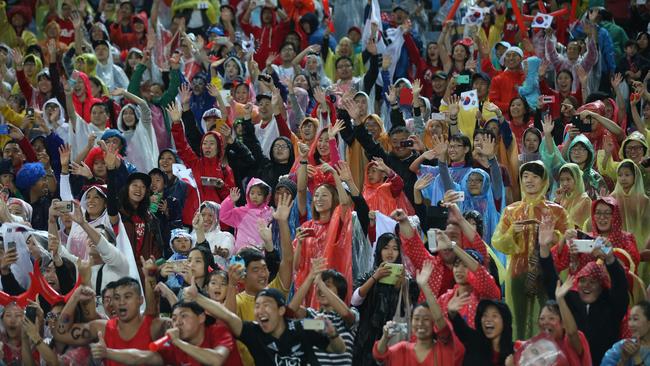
[
  {"x": 375, "y": 301},
  {"x": 331, "y": 289},
  {"x": 599, "y": 301},
  {"x": 435, "y": 340}
]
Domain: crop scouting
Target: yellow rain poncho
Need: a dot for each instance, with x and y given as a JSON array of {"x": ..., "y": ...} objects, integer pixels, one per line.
[
  {"x": 577, "y": 203},
  {"x": 524, "y": 290}
]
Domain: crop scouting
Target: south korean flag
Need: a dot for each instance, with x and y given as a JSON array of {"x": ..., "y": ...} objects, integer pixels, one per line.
[{"x": 542, "y": 21}]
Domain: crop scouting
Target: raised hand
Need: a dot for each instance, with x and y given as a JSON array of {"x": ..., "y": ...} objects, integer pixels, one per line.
[
  {"x": 616, "y": 80},
  {"x": 326, "y": 168},
  {"x": 303, "y": 150},
  {"x": 343, "y": 168},
  {"x": 392, "y": 95},
  {"x": 110, "y": 155},
  {"x": 174, "y": 112},
  {"x": 386, "y": 61},
  {"x": 416, "y": 88},
  {"x": 423, "y": 275},
  {"x": 371, "y": 46},
  {"x": 81, "y": 170},
  {"x": 283, "y": 209},
  {"x": 561, "y": 289},
  {"x": 381, "y": 165},
  {"x": 319, "y": 95},
  {"x": 457, "y": 302},
  {"x": 423, "y": 182},
  {"x": 440, "y": 146},
  {"x": 546, "y": 231},
  {"x": 332, "y": 131},
  {"x": 185, "y": 92},
  {"x": 234, "y": 194},
  {"x": 548, "y": 125},
  {"x": 454, "y": 106},
  {"x": 487, "y": 147}
]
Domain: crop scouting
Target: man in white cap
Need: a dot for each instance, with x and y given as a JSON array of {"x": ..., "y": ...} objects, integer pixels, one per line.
[{"x": 504, "y": 85}]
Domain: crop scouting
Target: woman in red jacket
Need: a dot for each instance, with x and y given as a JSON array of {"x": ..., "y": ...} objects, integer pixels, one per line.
[{"x": 209, "y": 165}]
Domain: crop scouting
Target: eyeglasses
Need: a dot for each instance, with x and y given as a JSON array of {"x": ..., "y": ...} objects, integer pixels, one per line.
[
  {"x": 633, "y": 148},
  {"x": 603, "y": 213},
  {"x": 579, "y": 149},
  {"x": 455, "y": 147},
  {"x": 474, "y": 180},
  {"x": 280, "y": 147},
  {"x": 344, "y": 66}
]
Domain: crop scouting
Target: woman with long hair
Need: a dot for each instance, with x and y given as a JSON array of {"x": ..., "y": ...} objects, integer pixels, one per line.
[
  {"x": 377, "y": 301},
  {"x": 490, "y": 340}
]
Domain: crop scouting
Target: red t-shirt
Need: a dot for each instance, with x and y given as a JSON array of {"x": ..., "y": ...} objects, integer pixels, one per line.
[
  {"x": 215, "y": 335},
  {"x": 139, "y": 341}
]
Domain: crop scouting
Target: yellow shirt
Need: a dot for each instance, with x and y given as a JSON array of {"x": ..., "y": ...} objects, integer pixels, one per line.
[{"x": 246, "y": 312}]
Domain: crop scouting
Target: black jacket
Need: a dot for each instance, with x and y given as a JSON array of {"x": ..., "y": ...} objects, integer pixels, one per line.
[{"x": 600, "y": 321}]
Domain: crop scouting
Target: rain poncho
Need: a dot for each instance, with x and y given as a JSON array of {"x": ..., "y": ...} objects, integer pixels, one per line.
[
  {"x": 62, "y": 127},
  {"x": 245, "y": 219},
  {"x": 435, "y": 191},
  {"x": 524, "y": 292},
  {"x": 554, "y": 160},
  {"x": 386, "y": 196},
  {"x": 577, "y": 203},
  {"x": 619, "y": 239},
  {"x": 635, "y": 210},
  {"x": 608, "y": 167},
  {"x": 78, "y": 237},
  {"x": 141, "y": 141},
  {"x": 175, "y": 281},
  {"x": 333, "y": 240},
  {"x": 214, "y": 236},
  {"x": 484, "y": 203}
]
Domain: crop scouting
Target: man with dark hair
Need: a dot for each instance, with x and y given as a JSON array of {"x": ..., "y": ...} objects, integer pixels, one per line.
[
  {"x": 257, "y": 275},
  {"x": 331, "y": 289},
  {"x": 129, "y": 329},
  {"x": 271, "y": 339},
  {"x": 192, "y": 342},
  {"x": 403, "y": 153}
]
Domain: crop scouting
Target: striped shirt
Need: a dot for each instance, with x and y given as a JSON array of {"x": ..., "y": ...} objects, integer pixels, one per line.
[{"x": 346, "y": 332}]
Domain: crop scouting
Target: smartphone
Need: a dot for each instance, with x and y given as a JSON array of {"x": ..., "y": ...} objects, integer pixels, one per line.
[
  {"x": 406, "y": 143},
  {"x": 265, "y": 78},
  {"x": 431, "y": 240},
  {"x": 529, "y": 222},
  {"x": 313, "y": 324},
  {"x": 546, "y": 99},
  {"x": 210, "y": 181},
  {"x": 178, "y": 265},
  {"x": 438, "y": 116},
  {"x": 462, "y": 79},
  {"x": 583, "y": 126},
  {"x": 4, "y": 129},
  {"x": 585, "y": 245},
  {"x": 461, "y": 196},
  {"x": 395, "y": 272},
  {"x": 30, "y": 112},
  {"x": 30, "y": 313},
  {"x": 11, "y": 246},
  {"x": 584, "y": 236},
  {"x": 309, "y": 232},
  {"x": 64, "y": 206}
]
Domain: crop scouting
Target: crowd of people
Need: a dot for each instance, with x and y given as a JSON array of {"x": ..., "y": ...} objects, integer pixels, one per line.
[{"x": 246, "y": 182}]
